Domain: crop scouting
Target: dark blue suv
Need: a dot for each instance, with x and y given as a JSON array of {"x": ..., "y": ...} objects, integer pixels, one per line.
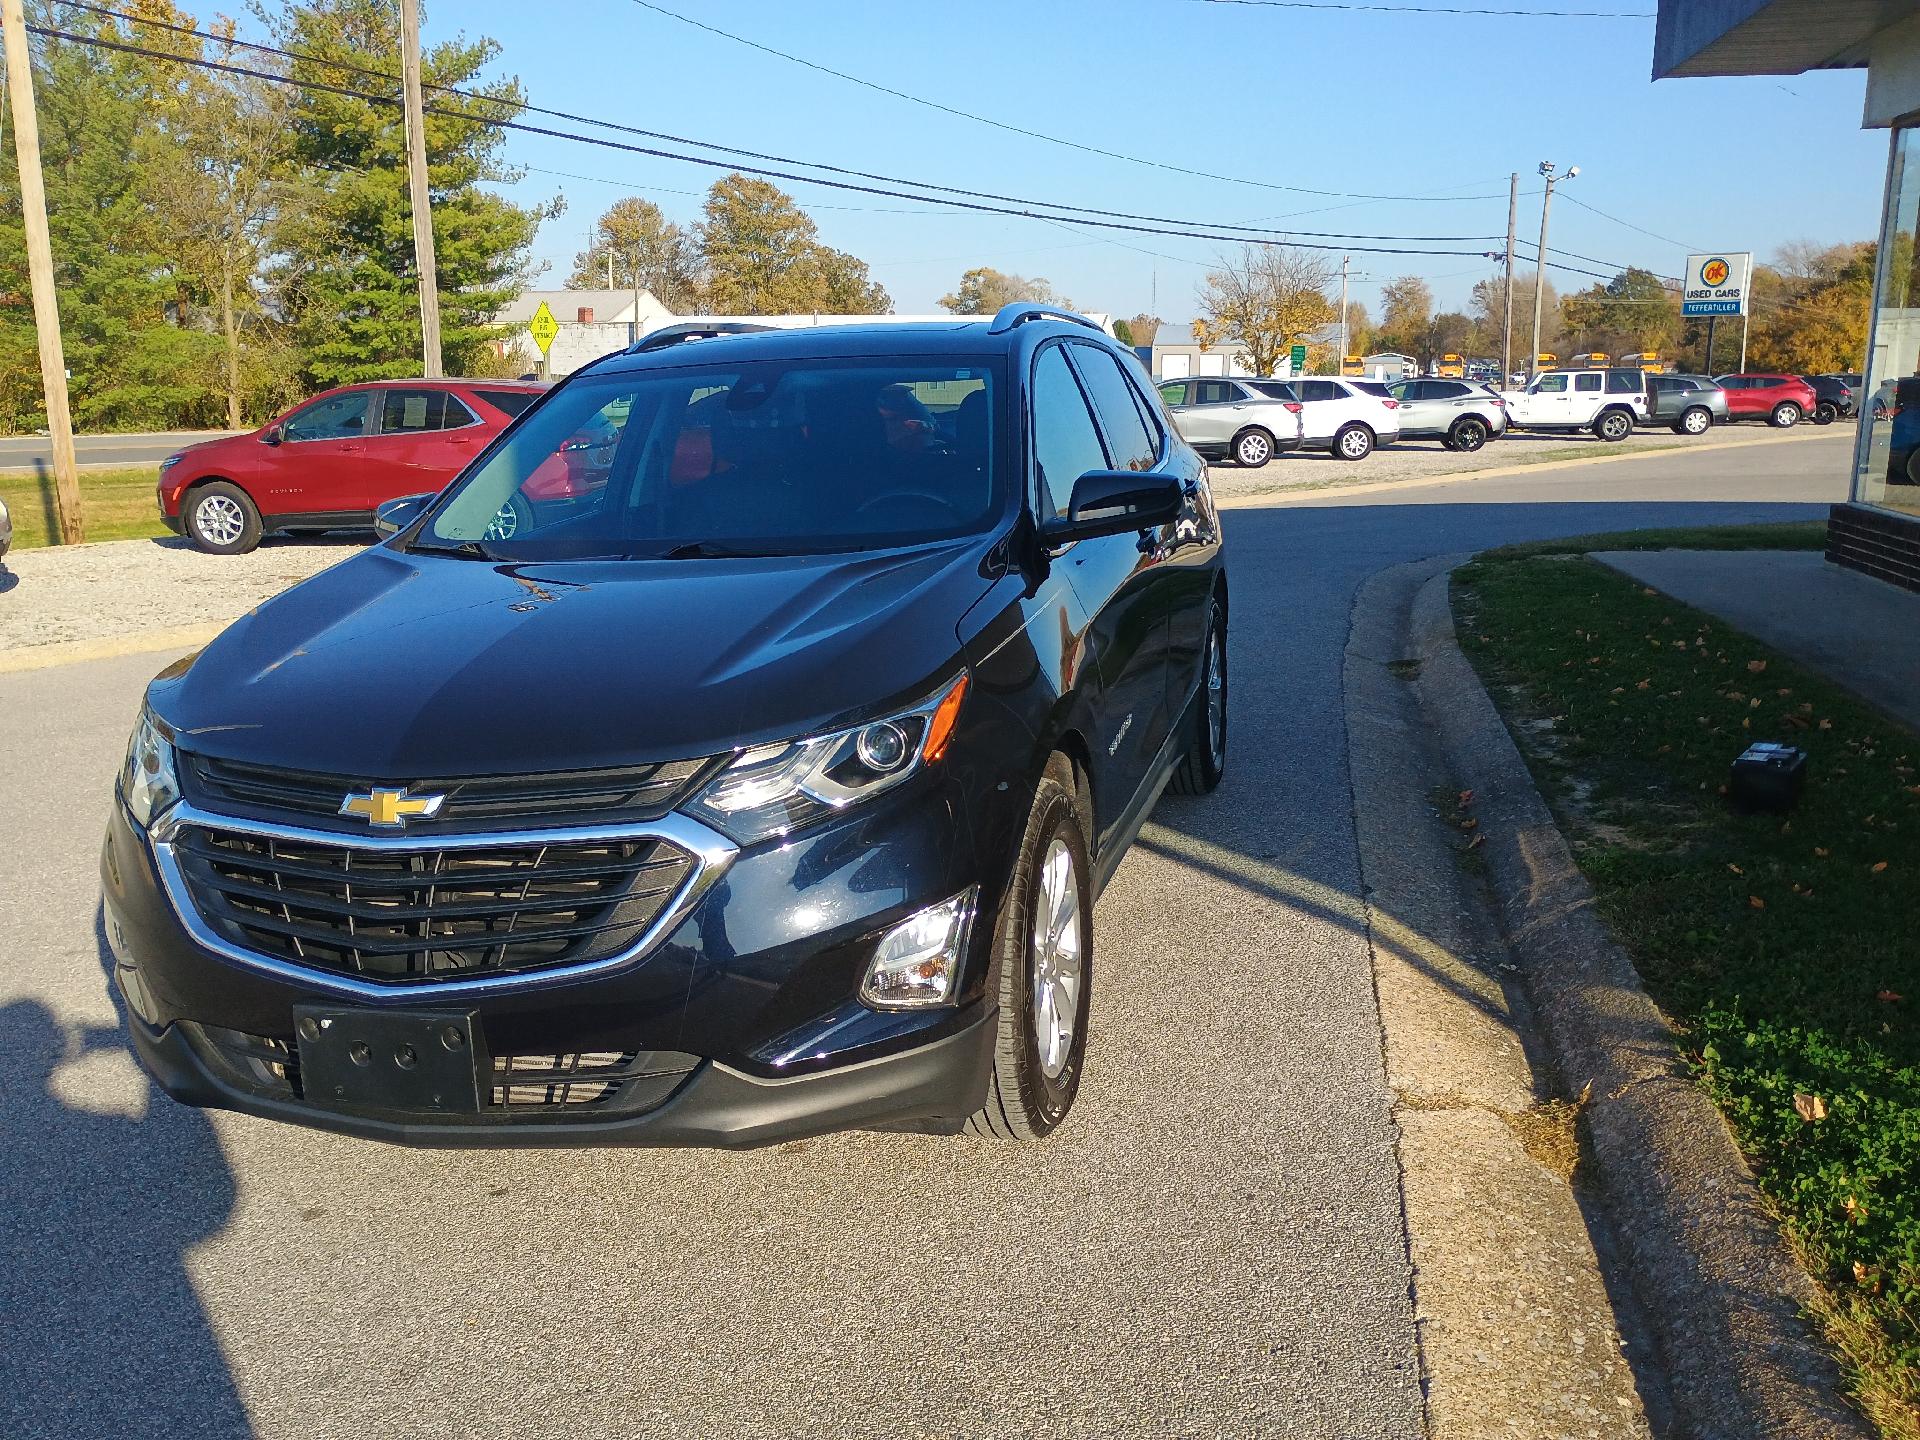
[{"x": 733, "y": 752}]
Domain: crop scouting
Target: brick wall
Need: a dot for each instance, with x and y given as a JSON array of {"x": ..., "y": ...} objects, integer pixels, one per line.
[{"x": 1881, "y": 543}]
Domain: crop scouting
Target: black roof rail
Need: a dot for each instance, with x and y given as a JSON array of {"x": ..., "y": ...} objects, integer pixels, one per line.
[
  {"x": 668, "y": 335},
  {"x": 1021, "y": 311}
]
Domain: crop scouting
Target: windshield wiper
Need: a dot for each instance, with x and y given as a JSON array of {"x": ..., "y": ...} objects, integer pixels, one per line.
[
  {"x": 710, "y": 550},
  {"x": 465, "y": 550}
]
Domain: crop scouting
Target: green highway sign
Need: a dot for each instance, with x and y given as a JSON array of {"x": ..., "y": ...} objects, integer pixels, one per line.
[{"x": 1299, "y": 358}]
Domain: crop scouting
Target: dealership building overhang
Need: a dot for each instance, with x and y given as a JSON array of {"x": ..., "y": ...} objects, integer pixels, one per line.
[{"x": 1878, "y": 529}]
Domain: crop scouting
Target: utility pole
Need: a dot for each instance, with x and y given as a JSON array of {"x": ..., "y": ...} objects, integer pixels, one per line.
[
  {"x": 46, "y": 306},
  {"x": 1540, "y": 279},
  {"x": 1506, "y": 330},
  {"x": 417, "y": 189},
  {"x": 1712, "y": 321},
  {"x": 1745, "y": 318},
  {"x": 1340, "y": 360}
]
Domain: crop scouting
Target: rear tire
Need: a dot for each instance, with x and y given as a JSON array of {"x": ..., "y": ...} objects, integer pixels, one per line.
[
  {"x": 1696, "y": 420},
  {"x": 1469, "y": 433},
  {"x": 1252, "y": 448},
  {"x": 1205, "y": 762},
  {"x": 220, "y": 519},
  {"x": 1045, "y": 970},
  {"x": 1825, "y": 413},
  {"x": 1353, "y": 442},
  {"x": 1613, "y": 426},
  {"x": 1785, "y": 415}
]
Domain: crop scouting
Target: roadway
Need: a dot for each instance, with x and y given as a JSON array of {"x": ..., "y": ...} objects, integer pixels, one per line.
[
  {"x": 1213, "y": 1244},
  {"x": 27, "y": 452}
]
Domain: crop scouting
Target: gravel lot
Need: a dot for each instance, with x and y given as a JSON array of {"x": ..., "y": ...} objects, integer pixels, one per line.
[
  {"x": 95, "y": 592},
  {"x": 1416, "y": 459}
]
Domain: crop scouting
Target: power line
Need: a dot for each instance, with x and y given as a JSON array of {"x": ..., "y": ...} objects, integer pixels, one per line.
[
  {"x": 100, "y": 42},
  {"x": 1441, "y": 9},
  {"x": 1012, "y": 129},
  {"x": 1665, "y": 239},
  {"x": 531, "y": 109}
]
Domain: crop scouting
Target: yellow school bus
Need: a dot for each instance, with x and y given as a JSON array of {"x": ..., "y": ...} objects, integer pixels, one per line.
[
  {"x": 1352, "y": 365},
  {"x": 1451, "y": 367},
  {"x": 1647, "y": 360},
  {"x": 1593, "y": 359},
  {"x": 1544, "y": 361}
]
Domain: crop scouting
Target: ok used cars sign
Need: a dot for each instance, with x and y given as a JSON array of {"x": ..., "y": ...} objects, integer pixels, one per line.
[{"x": 1717, "y": 282}]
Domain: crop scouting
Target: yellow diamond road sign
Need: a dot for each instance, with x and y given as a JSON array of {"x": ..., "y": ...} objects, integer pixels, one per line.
[{"x": 544, "y": 327}]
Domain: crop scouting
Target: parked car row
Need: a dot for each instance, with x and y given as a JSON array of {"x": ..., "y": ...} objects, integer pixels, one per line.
[{"x": 1250, "y": 420}]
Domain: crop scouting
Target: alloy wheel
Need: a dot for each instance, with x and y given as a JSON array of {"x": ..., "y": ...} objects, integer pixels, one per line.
[
  {"x": 1216, "y": 699},
  {"x": 1057, "y": 946},
  {"x": 218, "y": 519},
  {"x": 1253, "y": 450},
  {"x": 1354, "y": 444}
]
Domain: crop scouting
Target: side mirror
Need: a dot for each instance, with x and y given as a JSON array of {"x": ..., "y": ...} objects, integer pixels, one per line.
[
  {"x": 1113, "y": 502},
  {"x": 271, "y": 435},
  {"x": 396, "y": 515}
]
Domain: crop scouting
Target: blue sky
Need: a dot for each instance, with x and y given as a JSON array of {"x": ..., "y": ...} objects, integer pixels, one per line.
[{"x": 1321, "y": 100}]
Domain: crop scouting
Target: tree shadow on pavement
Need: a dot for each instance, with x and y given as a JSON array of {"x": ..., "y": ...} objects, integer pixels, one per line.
[{"x": 103, "y": 1331}]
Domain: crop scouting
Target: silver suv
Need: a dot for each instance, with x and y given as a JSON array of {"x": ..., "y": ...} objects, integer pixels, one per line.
[
  {"x": 1461, "y": 414},
  {"x": 1230, "y": 417}
]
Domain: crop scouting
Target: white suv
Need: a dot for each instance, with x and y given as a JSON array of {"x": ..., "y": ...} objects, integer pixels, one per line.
[
  {"x": 1347, "y": 417},
  {"x": 1607, "y": 402}
]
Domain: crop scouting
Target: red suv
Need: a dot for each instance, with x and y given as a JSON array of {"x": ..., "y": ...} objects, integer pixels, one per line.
[
  {"x": 327, "y": 464},
  {"x": 1780, "y": 400}
]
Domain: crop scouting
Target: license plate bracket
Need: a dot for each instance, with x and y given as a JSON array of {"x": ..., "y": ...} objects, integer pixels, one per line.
[{"x": 431, "y": 1061}]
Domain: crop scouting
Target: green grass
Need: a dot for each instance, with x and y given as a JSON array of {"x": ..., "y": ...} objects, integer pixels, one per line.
[
  {"x": 115, "y": 504},
  {"x": 1786, "y": 949},
  {"x": 1785, "y": 535}
]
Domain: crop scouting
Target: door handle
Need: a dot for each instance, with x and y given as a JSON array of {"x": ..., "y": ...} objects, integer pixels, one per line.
[{"x": 351, "y": 447}]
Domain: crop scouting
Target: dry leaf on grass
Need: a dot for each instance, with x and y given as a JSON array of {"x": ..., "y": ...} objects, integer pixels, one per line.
[
  {"x": 1755, "y": 902},
  {"x": 1809, "y": 1107},
  {"x": 1756, "y": 666},
  {"x": 1889, "y": 997}
]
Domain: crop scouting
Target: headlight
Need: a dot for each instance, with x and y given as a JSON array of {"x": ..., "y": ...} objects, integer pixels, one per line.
[
  {"x": 171, "y": 461},
  {"x": 773, "y": 789},
  {"x": 147, "y": 780}
]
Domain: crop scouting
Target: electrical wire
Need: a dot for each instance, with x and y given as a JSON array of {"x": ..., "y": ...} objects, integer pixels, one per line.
[
  {"x": 1005, "y": 125},
  {"x": 573, "y": 118},
  {"x": 1666, "y": 239},
  {"x": 101, "y": 42}
]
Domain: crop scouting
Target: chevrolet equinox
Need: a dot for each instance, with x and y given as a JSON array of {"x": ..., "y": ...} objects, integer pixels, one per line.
[{"x": 731, "y": 752}]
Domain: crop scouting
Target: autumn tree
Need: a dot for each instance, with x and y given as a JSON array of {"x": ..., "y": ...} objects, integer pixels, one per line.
[
  {"x": 1265, "y": 300},
  {"x": 1488, "y": 307},
  {"x": 762, "y": 256},
  {"x": 1359, "y": 329},
  {"x": 1632, "y": 312},
  {"x": 983, "y": 290},
  {"x": 635, "y": 244},
  {"x": 1406, "y": 312},
  {"x": 1819, "y": 324}
]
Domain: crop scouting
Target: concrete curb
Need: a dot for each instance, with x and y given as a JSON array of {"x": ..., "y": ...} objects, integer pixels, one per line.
[
  {"x": 1721, "y": 1292},
  {"x": 1496, "y": 472},
  {"x": 74, "y": 652}
]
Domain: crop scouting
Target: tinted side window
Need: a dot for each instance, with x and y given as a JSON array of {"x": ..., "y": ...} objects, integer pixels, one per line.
[
  {"x": 1376, "y": 389},
  {"x": 1319, "y": 390},
  {"x": 1624, "y": 382},
  {"x": 1274, "y": 389},
  {"x": 336, "y": 417},
  {"x": 1215, "y": 392},
  {"x": 508, "y": 402},
  {"x": 1129, "y": 445},
  {"x": 404, "y": 412},
  {"x": 1175, "y": 393},
  {"x": 1446, "y": 390},
  {"x": 1586, "y": 383},
  {"x": 1551, "y": 385},
  {"x": 1065, "y": 443}
]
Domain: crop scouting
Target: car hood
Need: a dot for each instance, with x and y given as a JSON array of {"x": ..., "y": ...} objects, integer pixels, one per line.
[{"x": 410, "y": 665}]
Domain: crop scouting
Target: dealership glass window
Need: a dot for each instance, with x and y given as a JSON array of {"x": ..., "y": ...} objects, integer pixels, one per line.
[{"x": 1886, "y": 455}]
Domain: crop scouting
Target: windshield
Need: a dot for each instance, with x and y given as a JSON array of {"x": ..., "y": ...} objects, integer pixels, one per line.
[{"x": 769, "y": 458}]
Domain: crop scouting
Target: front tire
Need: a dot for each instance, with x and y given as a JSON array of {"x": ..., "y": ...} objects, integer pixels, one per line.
[
  {"x": 1353, "y": 442},
  {"x": 1468, "y": 434},
  {"x": 1253, "y": 448},
  {"x": 221, "y": 519},
  {"x": 1205, "y": 762},
  {"x": 1614, "y": 426},
  {"x": 1043, "y": 946},
  {"x": 1785, "y": 415},
  {"x": 1696, "y": 421}
]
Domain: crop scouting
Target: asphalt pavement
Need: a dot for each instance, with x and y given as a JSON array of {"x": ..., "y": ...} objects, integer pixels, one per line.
[
  {"x": 24, "y": 452},
  {"x": 1212, "y": 1246}
]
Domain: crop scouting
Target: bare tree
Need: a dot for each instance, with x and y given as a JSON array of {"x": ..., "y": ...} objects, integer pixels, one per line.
[{"x": 1268, "y": 298}]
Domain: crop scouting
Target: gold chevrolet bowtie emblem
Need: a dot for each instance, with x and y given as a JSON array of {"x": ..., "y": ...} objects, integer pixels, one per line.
[{"x": 390, "y": 808}]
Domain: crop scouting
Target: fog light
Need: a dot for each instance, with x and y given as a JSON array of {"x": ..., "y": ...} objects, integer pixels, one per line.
[{"x": 916, "y": 965}]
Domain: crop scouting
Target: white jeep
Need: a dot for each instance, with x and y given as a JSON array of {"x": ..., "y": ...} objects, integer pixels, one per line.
[{"x": 1607, "y": 402}]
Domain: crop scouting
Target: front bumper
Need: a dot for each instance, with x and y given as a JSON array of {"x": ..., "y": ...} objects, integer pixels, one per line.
[
  {"x": 930, "y": 1089},
  {"x": 751, "y": 990}
]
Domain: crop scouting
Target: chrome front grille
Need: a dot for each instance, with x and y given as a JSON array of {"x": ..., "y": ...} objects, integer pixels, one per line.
[{"x": 416, "y": 914}]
